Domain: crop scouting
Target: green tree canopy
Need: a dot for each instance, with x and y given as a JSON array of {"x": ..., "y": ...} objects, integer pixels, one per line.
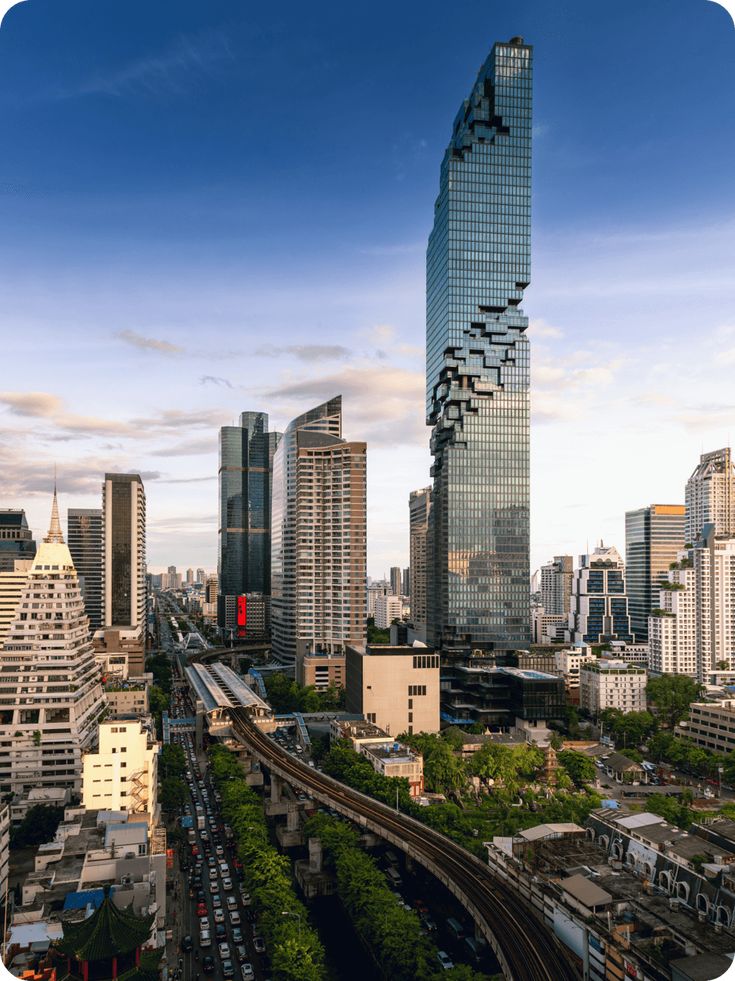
[
  {"x": 37, "y": 827},
  {"x": 672, "y": 694}
]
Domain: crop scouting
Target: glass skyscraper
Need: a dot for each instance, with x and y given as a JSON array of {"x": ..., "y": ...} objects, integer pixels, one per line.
[
  {"x": 477, "y": 365},
  {"x": 653, "y": 538},
  {"x": 245, "y": 471}
]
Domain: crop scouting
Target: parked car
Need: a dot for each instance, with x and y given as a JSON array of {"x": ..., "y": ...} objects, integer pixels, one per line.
[
  {"x": 228, "y": 969},
  {"x": 444, "y": 959},
  {"x": 234, "y": 917},
  {"x": 242, "y": 954},
  {"x": 259, "y": 945},
  {"x": 224, "y": 950},
  {"x": 219, "y": 916},
  {"x": 247, "y": 972},
  {"x": 208, "y": 964}
]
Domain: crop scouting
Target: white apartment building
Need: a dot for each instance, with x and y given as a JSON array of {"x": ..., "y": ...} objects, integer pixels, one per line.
[
  {"x": 568, "y": 664},
  {"x": 4, "y": 850},
  {"x": 546, "y": 628},
  {"x": 672, "y": 626},
  {"x": 710, "y": 495},
  {"x": 711, "y": 725},
  {"x": 122, "y": 775},
  {"x": 387, "y": 609},
  {"x": 714, "y": 577},
  {"x": 612, "y": 684},
  {"x": 50, "y": 692},
  {"x": 555, "y": 584}
]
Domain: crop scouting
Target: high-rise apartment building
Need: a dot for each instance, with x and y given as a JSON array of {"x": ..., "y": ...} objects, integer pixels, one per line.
[
  {"x": 12, "y": 584},
  {"x": 319, "y": 550},
  {"x": 710, "y": 495},
  {"x": 189, "y": 577},
  {"x": 395, "y": 580},
  {"x": 598, "y": 609},
  {"x": 605, "y": 683},
  {"x": 714, "y": 577},
  {"x": 419, "y": 507},
  {"x": 124, "y": 592},
  {"x": 16, "y": 539},
  {"x": 50, "y": 693},
  {"x": 122, "y": 773},
  {"x": 201, "y": 576},
  {"x": 245, "y": 474},
  {"x": 84, "y": 537},
  {"x": 387, "y": 609},
  {"x": 406, "y": 583},
  {"x": 672, "y": 622},
  {"x": 477, "y": 365},
  {"x": 653, "y": 537},
  {"x": 555, "y": 585}
]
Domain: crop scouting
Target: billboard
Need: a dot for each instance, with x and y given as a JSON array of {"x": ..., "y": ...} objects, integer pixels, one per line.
[{"x": 242, "y": 615}]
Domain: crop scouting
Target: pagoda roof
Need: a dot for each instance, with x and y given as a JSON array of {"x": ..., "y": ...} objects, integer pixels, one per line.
[{"x": 108, "y": 932}]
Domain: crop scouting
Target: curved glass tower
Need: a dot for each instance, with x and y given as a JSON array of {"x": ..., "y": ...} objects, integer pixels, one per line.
[{"x": 477, "y": 365}]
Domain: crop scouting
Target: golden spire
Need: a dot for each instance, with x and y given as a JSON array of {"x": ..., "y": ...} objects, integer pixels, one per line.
[{"x": 54, "y": 532}]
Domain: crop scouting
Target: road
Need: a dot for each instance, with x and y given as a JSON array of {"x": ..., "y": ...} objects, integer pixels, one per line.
[{"x": 529, "y": 949}]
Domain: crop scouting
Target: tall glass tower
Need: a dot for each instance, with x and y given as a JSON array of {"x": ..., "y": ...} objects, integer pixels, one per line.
[
  {"x": 477, "y": 365},
  {"x": 245, "y": 470}
]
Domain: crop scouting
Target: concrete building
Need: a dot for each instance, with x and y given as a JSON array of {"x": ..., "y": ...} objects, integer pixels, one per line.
[
  {"x": 386, "y": 756},
  {"x": 672, "y": 623},
  {"x": 16, "y": 539},
  {"x": 710, "y": 495},
  {"x": 124, "y": 594},
  {"x": 122, "y": 774},
  {"x": 568, "y": 665},
  {"x": 374, "y": 590},
  {"x": 654, "y": 536},
  {"x": 50, "y": 693},
  {"x": 12, "y": 584},
  {"x": 711, "y": 725},
  {"x": 396, "y": 688},
  {"x": 319, "y": 537},
  {"x": 612, "y": 684},
  {"x": 395, "y": 580},
  {"x": 387, "y": 609},
  {"x": 406, "y": 582},
  {"x": 547, "y": 628},
  {"x": 598, "y": 609},
  {"x": 419, "y": 508},
  {"x": 714, "y": 579},
  {"x": 555, "y": 585},
  {"x": 321, "y": 670},
  {"x": 84, "y": 535},
  {"x": 127, "y": 698},
  {"x": 4, "y": 851}
]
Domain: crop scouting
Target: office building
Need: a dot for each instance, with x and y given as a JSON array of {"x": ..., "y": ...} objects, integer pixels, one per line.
[
  {"x": 385, "y": 755},
  {"x": 124, "y": 589},
  {"x": 501, "y": 698},
  {"x": 477, "y": 365},
  {"x": 50, "y": 693},
  {"x": 122, "y": 773},
  {"x": 567, "y": 664},
  {"x": 201, "y": 577},
  {"x": 672, "y": 623},
  {"x": 598, "y": 610},
  {"x": 406, "y": 583},
  {"x": 555, "y": 585},
  {"x": 246, "y": 455},
  {"x": 4, "y": 850},
  {"x": 321, "y": 671},
  {"x": 12, "y": 584},
  {"x": 612, "y": 684},
  {"x": 84, "y": 537},
  {"x": 319, "y": 544},
  {"x": 189, "y": 577},
  {"x": 419, "y": 507},
  {"x": 710, "y": 495},
  {"x": 547, "y": 628},
  {"x": 375, "y": 590},
  {"x": 654, "y": 536},
  {"x": 387, "y": 609},
  {"x": 16, "y": 539},
  {"x": 395, "y": 687},
  {"x": 395, "y": 580}
]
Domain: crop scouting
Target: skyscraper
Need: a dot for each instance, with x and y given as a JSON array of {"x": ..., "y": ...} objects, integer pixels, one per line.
[
  {"x": 395, "y": 580},
  {"x": 124, "y": 594},
  {"x": 599, "y": 606},
  {"x": 477, "y": 365},
  {"x": 710, "y": 495},
  {"x": 16, "y": 539},
  {"x": 419, "y": 506},
  {"x": 319, "y": 546},
  {"x": 50, "y": 690},
  {"x": 245, "y": 473},
  {"x": 555, "y": 585},
  {"x": 653, "y": 537},
  {"x": 84, "y": 535}
]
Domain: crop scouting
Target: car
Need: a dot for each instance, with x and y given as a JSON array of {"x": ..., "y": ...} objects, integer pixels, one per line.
[
  {"x": 228, "y": 969},
  {"x": 224, "y": 868},
  {"x": 231, "y": 902},
  {"x": 236, "y": 935},
  {"x": 227, "y": 884},
  {"x": 205, "y": 938},
  {"x": 246, "y": 898},
  {"x": 234, "y": 917},
  {"x": 211, "y": 861},
  {"x": 213, "y": 873},
  {"x": 219, "y": 916},
  {"x": 214, "y": 887},
  {"x": 203, "y": 922},
  {"x": 259, "y": 945},
  {"x": 208, "y": 964},
  {"x": 224, "y": 950},
  {"x": 242, "y": 953},
  {"x": 444, "y": 959},
  {"x": 219, "y": 850},
  {"x": 220, "y": 932},
  {"x": 202, "y": 910},
  {"x": 201, "y": 896},
  {"x": 246, "y": 970},
  {"x": 187, "y": 943},
  {"x": 428, "y": 922},
  {"x": 216, "y": 902}
]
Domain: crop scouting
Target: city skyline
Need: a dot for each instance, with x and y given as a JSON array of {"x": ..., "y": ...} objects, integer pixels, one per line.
[{"x": 632, "y": 229}]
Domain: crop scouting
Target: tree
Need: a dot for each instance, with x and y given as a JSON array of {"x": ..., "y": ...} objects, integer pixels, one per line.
[
  {"x": 37, "y": 827},
  {"x": 672, "y": 694},
  {"x": 580, "y": 768},
  {"x": 172, "y": 761},
  {"x": 173, "y": 794}
]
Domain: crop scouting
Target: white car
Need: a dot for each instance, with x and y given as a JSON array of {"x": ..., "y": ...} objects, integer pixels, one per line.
[
  {"x": 248, "y": 974},
  {"x": 227, "y": 884},
  {"x": 224, "y": 951},
  {"x": 234, "y": 917},
  {"x": 443, "y": 958},
  {"x": 219, "y": 916}
]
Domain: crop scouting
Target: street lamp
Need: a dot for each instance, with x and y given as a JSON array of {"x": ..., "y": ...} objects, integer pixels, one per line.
[
  {"x": 287, "y": 912},
  {"x": 720, "y": 770}
]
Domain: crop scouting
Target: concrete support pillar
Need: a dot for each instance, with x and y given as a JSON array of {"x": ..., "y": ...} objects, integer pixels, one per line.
[
  {"x": 198, "y": 724},
  {"x": 315, "y": 855},
  {"x": 292, "y": 820},
  {"x": 276, "y": 789}
]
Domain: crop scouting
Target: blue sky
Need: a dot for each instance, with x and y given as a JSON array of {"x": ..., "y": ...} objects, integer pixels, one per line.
[{"x": 224, "y": 206}]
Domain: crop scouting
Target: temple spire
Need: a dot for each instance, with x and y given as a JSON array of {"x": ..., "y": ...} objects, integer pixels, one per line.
[{"x": 54, "y": 532}]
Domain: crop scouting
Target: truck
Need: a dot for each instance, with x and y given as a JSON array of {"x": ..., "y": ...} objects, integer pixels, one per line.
[
  {"x": 201, "y": 822},
  {"x": 187, "y": 822}
]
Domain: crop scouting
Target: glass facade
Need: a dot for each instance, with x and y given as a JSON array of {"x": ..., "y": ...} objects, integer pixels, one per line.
[
  {"x": 84, "y": 535},
  {"x": 245, "y": 471},
  {"x": 653, "y": 537},
  {"x": 477, "y": 365}
]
